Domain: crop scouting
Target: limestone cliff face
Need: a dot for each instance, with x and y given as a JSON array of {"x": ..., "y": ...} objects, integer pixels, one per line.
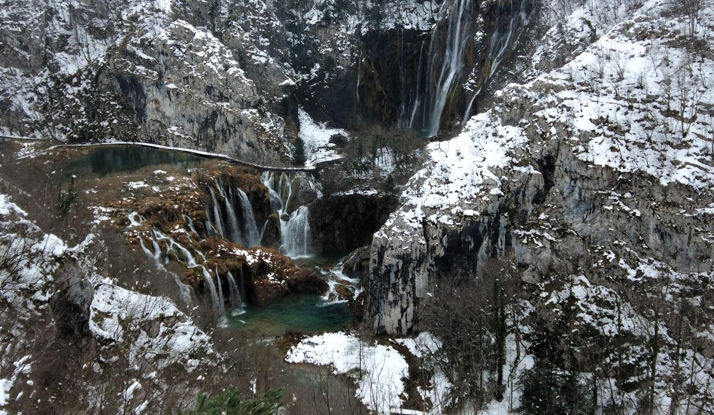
[
  {"x": 169, "y": 72},
  {"x": 564, "y": 175},
  {"x": 228, "y": 76}
]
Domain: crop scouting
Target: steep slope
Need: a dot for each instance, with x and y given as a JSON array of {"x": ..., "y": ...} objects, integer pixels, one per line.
[
  {"x": 227, "y": 76},
  {"x": 64, "y": 322},
  {"x": 594, "y": 180}
]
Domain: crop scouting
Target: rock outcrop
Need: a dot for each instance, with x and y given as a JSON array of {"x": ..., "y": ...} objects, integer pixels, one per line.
[
  {"x": 563, "y": 175},
  {"x": 342, "y": 223}
]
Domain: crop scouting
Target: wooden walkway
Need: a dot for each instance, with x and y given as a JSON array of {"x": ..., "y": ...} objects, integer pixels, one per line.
[{"x": 199, "y": 153}]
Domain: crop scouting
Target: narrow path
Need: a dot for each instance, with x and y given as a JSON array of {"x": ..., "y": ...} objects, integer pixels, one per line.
[{"x": 183, "y": 150}]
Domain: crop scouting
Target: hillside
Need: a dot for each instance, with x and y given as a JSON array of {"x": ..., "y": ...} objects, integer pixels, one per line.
[{"x": 439, "y": 207}]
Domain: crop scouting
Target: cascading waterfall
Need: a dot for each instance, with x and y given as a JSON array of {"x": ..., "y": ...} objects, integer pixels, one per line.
[
  {"x": 220, "y": 288},
  {"x": 218, "y": 305},
  {"x": 244, "y": 231},
  {"x": 217, "y": 214},
  {"x": 234, "y": 291},
  {"x": 187, "y": 295},
  {"x": 296, "y": 233},
  {"x": 189, "y": 222},
  {"x": 294, "y": 230},
  {"x": 234, "y": 232},
  {"x": 252, "y": 236}
]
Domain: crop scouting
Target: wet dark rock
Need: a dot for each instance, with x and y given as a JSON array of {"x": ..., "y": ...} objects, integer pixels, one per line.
[
  {"x": 304, "y": 192},
  {"x": 339, "y": 140},
  {"x": 346, "y": 222},
  {"x": 271, "y": 235}
]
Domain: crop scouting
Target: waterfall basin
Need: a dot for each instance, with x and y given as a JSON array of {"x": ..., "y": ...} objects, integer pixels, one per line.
[
  {"x": 299, "y": 312},
  {"x": 306, "y": 313}
]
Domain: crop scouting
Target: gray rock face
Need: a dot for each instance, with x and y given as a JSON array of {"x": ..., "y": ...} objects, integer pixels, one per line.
[
  {"x": 228, "y": 76},
  {"x": 556, "y": 187}
]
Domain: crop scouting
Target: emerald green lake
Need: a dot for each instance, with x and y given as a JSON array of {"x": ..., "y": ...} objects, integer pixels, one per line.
[
  {"x": 105, "y": 160},
  {"x": 305, "y": 313}
]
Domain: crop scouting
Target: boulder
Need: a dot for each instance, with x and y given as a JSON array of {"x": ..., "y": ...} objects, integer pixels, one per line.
[
  {"x": 271, "y": 235},
  {"x": 356, "y": 264}
]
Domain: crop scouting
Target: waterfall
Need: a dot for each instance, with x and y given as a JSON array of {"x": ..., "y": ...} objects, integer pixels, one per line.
[
  {"x": 220, "y": 288},
  {"x": 501, "y": 42},
  {"x": 252, "y": 235},
  {"x": 296, "y": 234},
  {"x": 135, "y": 219},
  {"x": 173, "y": 246},
  {"x": 295, "y": 231},
  {"x": 234, "y": 291},
  {"x": 246, "y": 230},
  {"x": 186, "y": 291},
  {"x": 189, "y": 222},
  {"x": 233, "y": 232},
  {"x": 217, "y": 214},
  {"x": 218, "y": 306},
  {"x": 416, "y": 99},
  {"x": 457, "y": 39}
]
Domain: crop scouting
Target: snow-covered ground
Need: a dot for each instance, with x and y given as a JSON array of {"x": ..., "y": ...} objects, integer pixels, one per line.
[
  {"x": 316, "y": 137},
  {"x": 150, "y": 331},
  {"x": 378, "y": 369}
]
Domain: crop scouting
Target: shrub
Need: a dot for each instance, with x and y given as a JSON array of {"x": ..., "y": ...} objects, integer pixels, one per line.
[{"x": 229, "y": 403}]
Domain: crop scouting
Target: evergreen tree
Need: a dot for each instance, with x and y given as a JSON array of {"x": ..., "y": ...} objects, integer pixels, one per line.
[
  {"x": 229, "y": 403},
  {"x": 299, "y": 152}
]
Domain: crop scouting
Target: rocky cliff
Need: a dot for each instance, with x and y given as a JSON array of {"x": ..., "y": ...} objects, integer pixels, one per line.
[
  {"x": 228, "y": 76},
  {"x": 602, "y": 166}
]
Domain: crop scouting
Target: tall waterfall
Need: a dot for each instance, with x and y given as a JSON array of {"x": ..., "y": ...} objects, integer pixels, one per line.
[
  {"x": 295, "y": 229},
  {"x": 252, "y": 235},
  {"x": 428, "y": 104},
  {"x": 501, "y": 41},
  {"x": 441, "y": 63},
  {"x": 453, "y": 61}
]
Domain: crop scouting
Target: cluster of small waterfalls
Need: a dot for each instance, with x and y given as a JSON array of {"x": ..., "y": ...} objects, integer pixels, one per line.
[
  {"x": 243, "y": 231},
  {"x": 180, "y": 253},
  {"x": 223, "y": 221},
  {"x": 230, "y": 216}
]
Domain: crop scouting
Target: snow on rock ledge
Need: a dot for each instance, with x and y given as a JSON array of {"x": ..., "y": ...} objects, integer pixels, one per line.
[
  {"x": 381, "y": 386},
  {"x": 151, "y": 328}
]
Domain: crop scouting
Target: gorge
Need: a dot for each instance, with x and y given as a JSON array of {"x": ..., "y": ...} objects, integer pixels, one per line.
[{"x": 358, "y": 207}]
